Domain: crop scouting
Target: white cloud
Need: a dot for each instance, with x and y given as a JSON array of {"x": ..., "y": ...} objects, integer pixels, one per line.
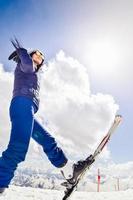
[
  {"x": 6, "y": 82},
  {"x": 121, "y": 170},
  {"x": 77, "y": 117}
]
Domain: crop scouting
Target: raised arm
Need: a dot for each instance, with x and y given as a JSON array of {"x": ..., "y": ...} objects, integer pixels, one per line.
[{"x": 26, "y": 63}]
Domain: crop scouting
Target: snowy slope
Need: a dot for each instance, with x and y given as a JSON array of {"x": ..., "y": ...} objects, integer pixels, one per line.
[{"x": 27, "y": 193}]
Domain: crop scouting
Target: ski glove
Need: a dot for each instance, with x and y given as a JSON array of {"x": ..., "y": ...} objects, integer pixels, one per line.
[{"x": 14, "y": 56}]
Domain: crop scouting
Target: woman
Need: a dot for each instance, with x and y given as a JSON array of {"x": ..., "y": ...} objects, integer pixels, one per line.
[{"x": 24, "y": 104}]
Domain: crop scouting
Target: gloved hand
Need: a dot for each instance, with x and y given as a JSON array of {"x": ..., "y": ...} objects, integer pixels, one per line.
[{"x": 14, "y": 56}]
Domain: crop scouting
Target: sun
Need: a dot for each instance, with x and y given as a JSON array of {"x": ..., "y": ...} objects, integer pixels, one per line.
[{"x": 104, "y": 57}]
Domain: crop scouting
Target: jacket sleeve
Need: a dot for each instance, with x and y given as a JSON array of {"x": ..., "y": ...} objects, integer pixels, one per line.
[{"x": 26, "y": 64}]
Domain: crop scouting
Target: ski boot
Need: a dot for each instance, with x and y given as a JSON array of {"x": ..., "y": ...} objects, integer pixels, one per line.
[
  {"x": 2, "y": 190},
  {"x": 78, "y": 169}
]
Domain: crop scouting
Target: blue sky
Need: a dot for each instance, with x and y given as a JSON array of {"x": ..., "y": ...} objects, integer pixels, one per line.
[{"x": 74, "y": 25}]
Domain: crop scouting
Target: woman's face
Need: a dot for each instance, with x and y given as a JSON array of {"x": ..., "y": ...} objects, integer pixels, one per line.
[{"x": 37, "y": 58}]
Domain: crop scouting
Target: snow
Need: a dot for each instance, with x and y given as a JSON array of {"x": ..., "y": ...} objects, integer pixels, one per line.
[{"x": 27, "y": 193}]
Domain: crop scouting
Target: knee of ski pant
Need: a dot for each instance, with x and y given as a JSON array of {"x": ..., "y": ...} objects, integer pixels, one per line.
[
  {"x": 15, "y": 153},
  {"x": 43, "y": 138},
  {"x": 40, "y": 135}
]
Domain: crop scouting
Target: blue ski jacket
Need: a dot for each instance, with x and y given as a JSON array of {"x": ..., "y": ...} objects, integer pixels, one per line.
[{"x": 26, "y": 79}]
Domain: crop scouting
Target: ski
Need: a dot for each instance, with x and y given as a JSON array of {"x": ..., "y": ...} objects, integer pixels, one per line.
[{"x": 71, "y": 186}]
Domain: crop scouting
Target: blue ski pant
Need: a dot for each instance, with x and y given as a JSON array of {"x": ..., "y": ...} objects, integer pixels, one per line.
[{"x": 24, "y": 126}]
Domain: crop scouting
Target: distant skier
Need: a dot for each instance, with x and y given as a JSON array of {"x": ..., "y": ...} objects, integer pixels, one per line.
[{"x": 24, "y": 104}]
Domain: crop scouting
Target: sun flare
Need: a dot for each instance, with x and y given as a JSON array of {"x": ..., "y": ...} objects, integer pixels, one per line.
[{"x": 104, "y": 57}]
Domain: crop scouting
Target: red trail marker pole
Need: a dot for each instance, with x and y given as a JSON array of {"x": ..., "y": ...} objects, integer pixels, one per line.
[{"x": 98, "y": 181}]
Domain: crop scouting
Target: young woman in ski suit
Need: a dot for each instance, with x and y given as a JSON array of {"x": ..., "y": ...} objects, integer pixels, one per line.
[{"x": 24, "y": 104}]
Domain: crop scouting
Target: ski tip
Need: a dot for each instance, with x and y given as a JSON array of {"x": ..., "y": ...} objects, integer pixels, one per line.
[
  {"x": 118, "y": 115},
  {"x": 118, "y": 118}
]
